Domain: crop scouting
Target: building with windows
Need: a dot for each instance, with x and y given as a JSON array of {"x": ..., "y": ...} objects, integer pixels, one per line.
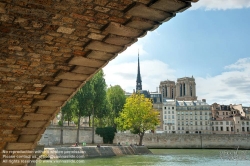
[
  {"x": 230, "y": 119},
  {"x": 186, "y": 116}
]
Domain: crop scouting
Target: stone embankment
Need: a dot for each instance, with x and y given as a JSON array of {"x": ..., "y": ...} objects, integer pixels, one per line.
[
  {"x": 93, "y": 152},
  {"x": 51, "y": 137},
  {"x": 188, "y": 141}
]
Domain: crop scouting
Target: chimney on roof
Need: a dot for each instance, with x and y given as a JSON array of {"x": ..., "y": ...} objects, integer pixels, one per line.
[{"x": 204, "y": 100}]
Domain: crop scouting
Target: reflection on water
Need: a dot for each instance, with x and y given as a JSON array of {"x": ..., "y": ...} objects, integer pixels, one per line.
[{"x": 169, "y": 157}]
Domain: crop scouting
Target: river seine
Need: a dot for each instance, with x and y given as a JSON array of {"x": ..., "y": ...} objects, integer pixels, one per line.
[{"x": 166, "y": 157}]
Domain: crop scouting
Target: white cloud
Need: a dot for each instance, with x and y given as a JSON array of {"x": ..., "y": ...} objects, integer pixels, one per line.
[
  {"x": 152, "y": 72},
  {"x": 230, "y": 87},
  {"x": 220, "y": 4}
]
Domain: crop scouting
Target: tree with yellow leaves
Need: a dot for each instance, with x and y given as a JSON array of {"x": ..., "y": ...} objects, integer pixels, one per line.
[{"x": 138, "y": 116}]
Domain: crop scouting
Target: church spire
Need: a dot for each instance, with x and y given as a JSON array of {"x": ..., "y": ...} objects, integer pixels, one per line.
[{"x": 138, "y": 80}]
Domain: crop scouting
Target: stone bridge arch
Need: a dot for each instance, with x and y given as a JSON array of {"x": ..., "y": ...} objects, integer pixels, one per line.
[{"x": 50, "y": 48}]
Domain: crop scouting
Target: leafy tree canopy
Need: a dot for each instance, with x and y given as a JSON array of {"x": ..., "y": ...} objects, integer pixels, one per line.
[
  {"x": 138, "y": 116},
  {"x": 116, "y": 99}
]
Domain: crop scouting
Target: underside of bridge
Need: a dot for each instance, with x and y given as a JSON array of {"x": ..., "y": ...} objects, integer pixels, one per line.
[{"x": 50, "y": 48}]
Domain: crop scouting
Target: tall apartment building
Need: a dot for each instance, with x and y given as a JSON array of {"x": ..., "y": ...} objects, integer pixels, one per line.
[
  {"x": 186, "y": 116},
  {"x": 230, "y": 119}
]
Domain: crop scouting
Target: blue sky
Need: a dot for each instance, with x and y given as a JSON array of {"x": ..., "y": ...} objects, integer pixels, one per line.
[{"x": 209, "y": 41}]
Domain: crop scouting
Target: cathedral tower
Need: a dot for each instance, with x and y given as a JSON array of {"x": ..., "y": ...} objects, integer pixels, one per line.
[{"x": 186, "y": 89}]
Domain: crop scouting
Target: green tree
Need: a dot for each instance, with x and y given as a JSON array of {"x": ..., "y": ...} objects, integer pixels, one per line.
[
  {"x": 138, "y": 116},
  {"x": 116, "y": 98},
  {"x": 98, "y": 105},
  {"x": 84, "y": 101},
  {"x": 66, "y": 114},
  {"x": 68, "y": 111}
]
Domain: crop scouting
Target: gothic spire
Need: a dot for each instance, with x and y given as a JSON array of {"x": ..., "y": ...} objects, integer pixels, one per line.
[{"x": 138, "y": 80}]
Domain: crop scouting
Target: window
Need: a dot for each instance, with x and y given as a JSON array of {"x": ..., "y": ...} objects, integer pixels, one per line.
[
  {"x": 172, "y": 112},
  {"x": 247, "y": 123},
  {"x": 216, "y": 128},
  {"x": 178, "y": 117},
  {"x": 212, "y": 128},
  {"x": 200, "y": 112},
  {"x": 205, "y": 117},
  {"x": 247, "y": 128},
  {"x": 191, "y": 123},
  {"x": 178, "y": 128},
  {"x": 200, "y": 122},
  {"x": 221, "y": 123},
  {"x": 182, "y": 113},
  {"x": 205, "y": 113},
  {"x": 243, "y": 128},
  {"x": 187, "y": 113},
  {"x": 172, "y": 116},
  {"x": 227, "y": 128},
  {"x": 226, "y": 113},
  {"x": 165, "y": 117},
  {"x": 227, "y": 123},
  {"x": 191, "y": 92},
  {"x": 195, "y": 117},
  {"x": 196, "y": 123},
  {"x": 165, "y": 112},
  {"x": 195, "y": 113},
  {"x": 184, "y": 89},
  {"x": 182, "y": 123},
  {"x": 200, "y": 117},
  {"x": 223, "y": 113},
  {"x": 221, "y": 128},
  {"x": 172, "y": 108},
  {"x": 168, "y": 112},
  {"x": 169, "y": 117},
  {"x": 165, "y": 108}
]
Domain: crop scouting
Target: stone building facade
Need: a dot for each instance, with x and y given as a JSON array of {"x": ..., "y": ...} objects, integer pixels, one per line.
[
  {"x": 230, "y": 119},
  {"x": 186, "y": 116},
  {"x": 183, "y": 89}
]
